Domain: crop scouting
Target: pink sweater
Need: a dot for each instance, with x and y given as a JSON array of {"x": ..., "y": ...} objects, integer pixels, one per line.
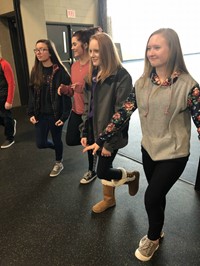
[{"x": 78, "y": 73}]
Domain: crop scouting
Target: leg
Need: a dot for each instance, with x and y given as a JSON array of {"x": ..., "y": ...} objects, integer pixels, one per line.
[
  {"x": 161, "y": 176},
  {"x": 110, "y": 179},
  {"x": 165, "y": 175},
  {"x": 56, "y": 133},
  {"x": 90, "y": 175},
  {"x": 117, "y": 177},
  {"x": 42, "y": 131},
  {"x": 9, "y": 127},
  {"x": 73, "y": 132},
  {"x": 103, "y": 170}
]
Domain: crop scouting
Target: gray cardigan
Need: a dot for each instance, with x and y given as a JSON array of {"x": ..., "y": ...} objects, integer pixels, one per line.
[
  {"x": 108, "y": 98},
  {"x": 165, "y": 117}
]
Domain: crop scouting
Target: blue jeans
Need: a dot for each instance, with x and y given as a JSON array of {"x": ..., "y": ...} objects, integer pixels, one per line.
[{"x": 45, "y": 125}]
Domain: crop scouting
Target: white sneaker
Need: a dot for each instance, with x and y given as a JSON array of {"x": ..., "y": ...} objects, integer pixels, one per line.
[
  {"x": 145, "y": 237},
  {"x": 146, "y": 250},
  {"x": 58, "y": 167}
]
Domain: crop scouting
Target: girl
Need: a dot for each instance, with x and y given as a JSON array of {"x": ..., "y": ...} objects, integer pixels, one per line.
[
  {"x": 47, "y": 110},
  {"x": 107, "y": 86},
  {"x": 167, "y": 97}
]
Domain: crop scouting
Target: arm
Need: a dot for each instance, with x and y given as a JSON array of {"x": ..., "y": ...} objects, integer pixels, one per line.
[
  {"x": 66, "y": 90},
  {"x": 119, "y": 118},
  {"x": 117, "y": 122},
  {"x": 194, "y": 106},
  {"x": 78, "y": 87},
  {"x": 122, "y": 86},
  {"x": 9, "y": 76},
  {"x": 65, "y": 80},
  {"x": 30, "y": 109}
]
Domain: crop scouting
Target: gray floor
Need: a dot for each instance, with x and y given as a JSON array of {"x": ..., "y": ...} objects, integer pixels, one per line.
[{"x": 48, "y": 222}]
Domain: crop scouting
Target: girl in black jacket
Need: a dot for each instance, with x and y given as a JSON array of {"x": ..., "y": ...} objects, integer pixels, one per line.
[
  {"x": 47, "y": 110},
  {"x": 107, "y": 86}
]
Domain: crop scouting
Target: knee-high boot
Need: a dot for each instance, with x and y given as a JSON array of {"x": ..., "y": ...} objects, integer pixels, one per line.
[{"x": 108, "y": 200}]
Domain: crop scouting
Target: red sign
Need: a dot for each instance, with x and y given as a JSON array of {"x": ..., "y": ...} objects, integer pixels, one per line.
[{"x": 71, "y": 13}]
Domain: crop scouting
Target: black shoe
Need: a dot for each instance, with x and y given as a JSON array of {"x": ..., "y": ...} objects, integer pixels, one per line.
[
  {"x": 88, "y": 177},
  {"x": 7, "y": 144}
]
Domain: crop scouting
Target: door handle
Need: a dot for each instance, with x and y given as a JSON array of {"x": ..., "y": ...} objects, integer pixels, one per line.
[
  {"x": 67, "y": 61},
  {"x": 64, "y": 42}
]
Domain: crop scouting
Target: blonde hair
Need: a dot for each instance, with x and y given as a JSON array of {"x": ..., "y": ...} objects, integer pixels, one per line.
[
  {"x": 175, "y": 60},
  {"x": 108, "y": 54}
]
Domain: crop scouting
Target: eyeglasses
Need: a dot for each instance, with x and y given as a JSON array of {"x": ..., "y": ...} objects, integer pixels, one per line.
[{"x": 41, "y": 50}]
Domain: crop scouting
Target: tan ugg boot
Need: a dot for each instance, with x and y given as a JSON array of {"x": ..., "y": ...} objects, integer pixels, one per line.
[
  {"x": 129, "y": 178},
  {"x": 108, "y": 200}
]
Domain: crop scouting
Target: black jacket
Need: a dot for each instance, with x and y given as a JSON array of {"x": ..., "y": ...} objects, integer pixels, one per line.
[{"x": 61, "y": 105}]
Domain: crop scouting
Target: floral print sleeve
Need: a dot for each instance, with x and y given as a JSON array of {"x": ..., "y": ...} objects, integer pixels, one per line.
[
  {"x": 194, "y": 106},
  {"x": 119, "y": 119}
]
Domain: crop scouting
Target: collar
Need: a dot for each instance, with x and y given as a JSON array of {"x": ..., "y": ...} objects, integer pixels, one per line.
[{"x": 168, "y": 82}]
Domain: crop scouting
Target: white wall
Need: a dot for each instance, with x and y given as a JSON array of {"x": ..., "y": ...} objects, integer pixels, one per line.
[{"x": 133, "y": 22}]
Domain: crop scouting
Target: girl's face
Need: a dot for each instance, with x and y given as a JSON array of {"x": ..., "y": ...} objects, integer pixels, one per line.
[
  {"x": 77, "y": 47},
  {"x": 42, "y": 52},
  {"x": 157, "y": 51},
  {"x": 94, "y": 52}
]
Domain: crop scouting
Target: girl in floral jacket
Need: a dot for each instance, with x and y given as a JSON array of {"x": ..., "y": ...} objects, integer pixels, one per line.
[{"x": 166, "y": 97}]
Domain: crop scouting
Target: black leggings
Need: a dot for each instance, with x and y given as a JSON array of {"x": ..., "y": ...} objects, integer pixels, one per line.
[
  {"x": 161, "y": 176},
  {"x": 6, "y": 120},
  {"x": 73, "y": 137},
  {"x": 105, "y": 169}
]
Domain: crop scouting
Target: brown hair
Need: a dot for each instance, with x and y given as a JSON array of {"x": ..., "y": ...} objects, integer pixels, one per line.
[
  {"x": 108, "y": 54},
  {"x": 36, "y": 73},
  {"x": 175, "y": 60}
]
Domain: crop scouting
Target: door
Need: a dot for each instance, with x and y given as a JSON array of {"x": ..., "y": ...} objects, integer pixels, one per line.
[
  {"x": 20, "y": 58},
  {"x": 60, "y": 35}
]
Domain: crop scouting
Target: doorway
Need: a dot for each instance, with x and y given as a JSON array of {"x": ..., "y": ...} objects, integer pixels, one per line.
[
  {"x": 20, "y": 59},
  {"x": 61, "y": 35}
]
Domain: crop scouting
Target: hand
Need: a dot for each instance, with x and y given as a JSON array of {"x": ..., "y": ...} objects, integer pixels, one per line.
[
  {"x": 59, "y": 123},
  {"x": 73, "y": 86},
  {"x": 77, "y": 87},
  {"x": 105, "y": 153},
  {"x": 59, "y": 91},
  {"x": 8, "y": 106},
  {"x": 93, "y": 147},
  {"x": 84, "y": 142},
  {"x": 33, "y": 120}
]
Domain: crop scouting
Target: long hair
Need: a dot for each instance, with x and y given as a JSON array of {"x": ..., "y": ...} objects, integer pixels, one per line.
[
  {"x": 84, "y": 35},
  {"x": 108, "y": 54},
  {"x": 37, "y": 73},
  {"x": 175, "y": 61}
]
